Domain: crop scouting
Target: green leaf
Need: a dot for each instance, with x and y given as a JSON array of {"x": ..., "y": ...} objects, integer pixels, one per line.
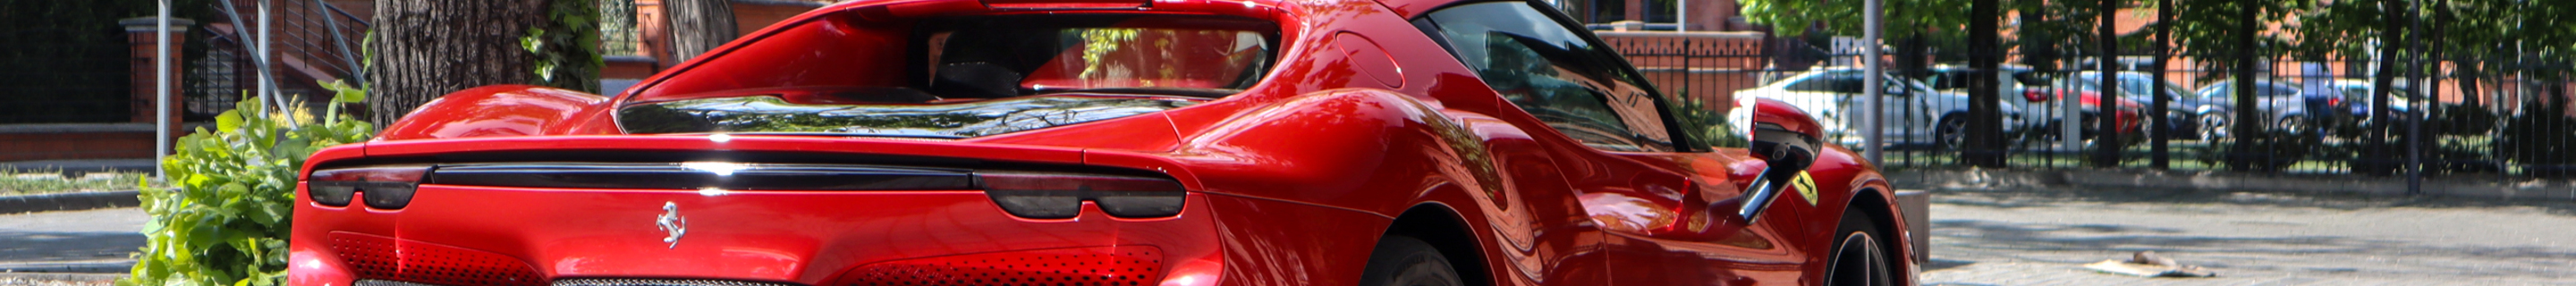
[
  {"x": 227, "y": 121},
  {"x": 345, "y": 93}
]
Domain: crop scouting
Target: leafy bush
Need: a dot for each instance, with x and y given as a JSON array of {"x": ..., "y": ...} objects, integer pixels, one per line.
[{"x": 225, "y": 220}]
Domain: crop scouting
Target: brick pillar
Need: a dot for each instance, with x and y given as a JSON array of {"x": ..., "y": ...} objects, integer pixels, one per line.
[{"x": 140, "y": 32}]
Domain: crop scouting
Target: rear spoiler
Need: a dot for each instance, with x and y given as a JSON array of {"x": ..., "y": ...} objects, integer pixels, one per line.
[{"x": 745, "y": 149}]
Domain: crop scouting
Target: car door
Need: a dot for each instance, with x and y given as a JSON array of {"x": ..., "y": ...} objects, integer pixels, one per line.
[{"x": 1664, "y": 198}]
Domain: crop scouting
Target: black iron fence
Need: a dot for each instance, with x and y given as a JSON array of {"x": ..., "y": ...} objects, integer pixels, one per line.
[{"x": 2317, "y": 115}]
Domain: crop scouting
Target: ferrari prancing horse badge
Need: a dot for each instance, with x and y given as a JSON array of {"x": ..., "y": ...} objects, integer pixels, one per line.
[{"x": 1806, "y": 186}]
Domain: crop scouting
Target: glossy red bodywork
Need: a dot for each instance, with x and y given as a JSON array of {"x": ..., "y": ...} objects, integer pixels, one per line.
[{"x": 1365, "y": 122}]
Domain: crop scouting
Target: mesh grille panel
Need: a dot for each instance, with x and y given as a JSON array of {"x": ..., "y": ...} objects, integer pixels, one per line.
[
  {"x": 385, "y": 258},
  {"x": 1092, "y": 266}
]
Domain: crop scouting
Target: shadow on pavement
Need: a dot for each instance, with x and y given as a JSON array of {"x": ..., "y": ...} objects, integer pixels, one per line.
[
  {"x": 67, "y": 246},
  {"x": 2016, "y": 197}
]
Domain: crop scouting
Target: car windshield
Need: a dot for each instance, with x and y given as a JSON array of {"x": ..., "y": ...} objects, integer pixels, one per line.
[{"x": 957, "y": 77}]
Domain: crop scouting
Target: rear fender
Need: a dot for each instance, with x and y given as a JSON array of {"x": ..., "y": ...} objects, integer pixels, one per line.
[
  {"x": 504, "y": 110},
  {"x": 1349, "y": 148}
]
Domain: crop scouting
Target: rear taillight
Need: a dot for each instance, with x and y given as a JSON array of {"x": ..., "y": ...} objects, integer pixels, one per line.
[
  {"x": 1060, "y": 195},
  {"x": 386, "y": 187},
  {"x": 2034, "y": 95}
]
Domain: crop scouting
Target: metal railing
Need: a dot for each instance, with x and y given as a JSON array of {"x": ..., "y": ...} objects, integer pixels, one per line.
[{"x": 2319, "y": 116}]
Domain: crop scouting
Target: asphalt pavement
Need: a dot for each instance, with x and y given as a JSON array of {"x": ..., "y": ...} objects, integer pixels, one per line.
[
  {"x": 2030, "y": 236},
  {"x": 2043, "y": 236},
  {"x": 98, "y": 240}
]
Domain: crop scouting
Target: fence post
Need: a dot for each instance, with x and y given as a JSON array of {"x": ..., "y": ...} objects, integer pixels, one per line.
[
  {"x": 2161, "y": 158},
  {"x": 1874, "y": 82}
]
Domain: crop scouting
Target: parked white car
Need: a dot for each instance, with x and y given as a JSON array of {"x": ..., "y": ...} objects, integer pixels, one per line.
[{"x": 1916, "y": 116}]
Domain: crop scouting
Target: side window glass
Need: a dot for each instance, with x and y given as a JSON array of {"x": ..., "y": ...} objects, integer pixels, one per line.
[
  {"x": 1812, "y": 84},
  {"x": 1846, "y": 83},
  {"x": 1576, "y": 86}
]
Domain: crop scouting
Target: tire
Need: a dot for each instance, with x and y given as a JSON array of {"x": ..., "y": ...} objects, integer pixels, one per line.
[
  {"x": 1405, "y": 261},
  {"x": 1860, "y": 255},
  {"x": 2213, "y": 126},
  {"x": 2292, "y": 123},
  {"x": 1950, "y": 135}
]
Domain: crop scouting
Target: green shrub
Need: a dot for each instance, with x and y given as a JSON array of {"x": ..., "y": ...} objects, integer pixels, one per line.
[{"x": 224, "y": 220}]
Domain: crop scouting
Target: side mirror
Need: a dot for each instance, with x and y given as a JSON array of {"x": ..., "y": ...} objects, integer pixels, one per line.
[{"x": 1786, "y": 138}]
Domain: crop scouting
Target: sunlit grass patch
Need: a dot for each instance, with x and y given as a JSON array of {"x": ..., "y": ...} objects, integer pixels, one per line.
[{"x": 15, "y": 182}]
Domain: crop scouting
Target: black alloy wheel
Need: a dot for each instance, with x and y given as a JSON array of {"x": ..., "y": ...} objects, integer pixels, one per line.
[
  {"x": 1951, "y": 134},
  {"x": 2213, "y": 126},
  {"x": 1860, "y": 257},
  {"x": 1405, "y": 261}
]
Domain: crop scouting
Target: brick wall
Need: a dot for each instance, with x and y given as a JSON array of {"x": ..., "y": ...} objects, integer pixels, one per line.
[
  {"x": 27, "y": 142},
  {"x": 1708, "y": 66}
]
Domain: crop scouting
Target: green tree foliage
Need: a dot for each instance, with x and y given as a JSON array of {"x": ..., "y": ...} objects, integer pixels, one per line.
[
  {"x": 223, "y": 220},
  {"x": 1843, "y": 17},
  {"x": 567, "y": 46},
  {"x": 2210, "y": 29}
]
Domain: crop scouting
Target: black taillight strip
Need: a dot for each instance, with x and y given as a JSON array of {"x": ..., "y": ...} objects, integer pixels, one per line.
[{"x": 701, "y": 175}]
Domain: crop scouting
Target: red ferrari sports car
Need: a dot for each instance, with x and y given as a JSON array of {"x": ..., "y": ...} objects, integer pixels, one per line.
[{"x": 1106, "y": 142}]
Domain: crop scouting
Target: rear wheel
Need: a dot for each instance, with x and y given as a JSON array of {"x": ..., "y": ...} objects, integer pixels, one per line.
[
  {"x": 1405, "y": 261},
  {"x": 1860, "y": 254}
]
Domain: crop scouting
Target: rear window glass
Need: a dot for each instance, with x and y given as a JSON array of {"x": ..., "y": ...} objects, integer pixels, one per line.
[{"x": 958, "y": 77}]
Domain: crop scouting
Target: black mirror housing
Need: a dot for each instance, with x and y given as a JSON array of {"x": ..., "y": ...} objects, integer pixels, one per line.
[{"x": 1788, "y": 140}]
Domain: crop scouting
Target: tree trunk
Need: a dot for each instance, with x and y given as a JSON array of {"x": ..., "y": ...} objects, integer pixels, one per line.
[
  {"x": 2249, "y": 122},
  {"x": 698, "y": 26},
  {"x": 2376, "y": 151},
  {"x": 1985, "y": 135},
  {"x": 2107, "y": 144},
  {"x": 428, "y": 48}
]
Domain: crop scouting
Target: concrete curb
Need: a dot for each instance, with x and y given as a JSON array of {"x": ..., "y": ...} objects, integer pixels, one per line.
[
  {"x": 2482, "y": 186},
  {"x": 68, "y": 201}
]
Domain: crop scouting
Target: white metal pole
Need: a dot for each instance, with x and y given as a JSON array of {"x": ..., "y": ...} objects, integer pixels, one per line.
[
  {"x": 267, "y": 82},
  {"x": 2070, "y": 122},
  {"x": 161, "y": 91},
  {"x": 1681, "y": 15},
  {"x": 1873, "y": 84}
]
